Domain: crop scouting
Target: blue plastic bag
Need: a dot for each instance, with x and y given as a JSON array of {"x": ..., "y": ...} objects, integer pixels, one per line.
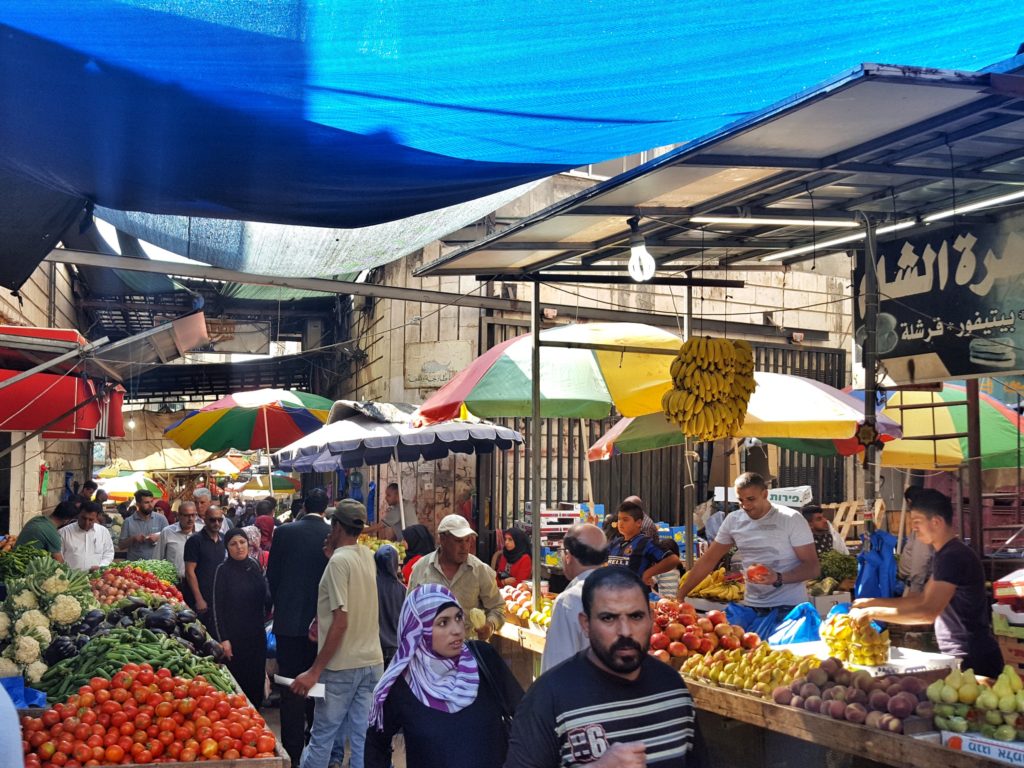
[
  {"x": 22, "y": 696},
  {"x": 876, "y": 568},
  {"x": 271, "y": 641},
  {"x": 751, "y": 619},
  {"x": 800, "y": 625}
]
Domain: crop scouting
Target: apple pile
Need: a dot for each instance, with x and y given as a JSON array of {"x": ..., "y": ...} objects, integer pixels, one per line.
[
  {"x": 884, "y": 703},
  {"x": 679, "y": 632},
  {"x": 519, "y": 603},
  {"x": 755, "y": 670}
]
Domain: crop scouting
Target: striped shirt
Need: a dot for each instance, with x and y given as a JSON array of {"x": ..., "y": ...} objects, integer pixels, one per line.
[{"x": 572, "y": 714}]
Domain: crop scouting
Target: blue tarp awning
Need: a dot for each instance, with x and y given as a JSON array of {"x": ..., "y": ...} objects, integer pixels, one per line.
[{"x": 347, "y": 113}]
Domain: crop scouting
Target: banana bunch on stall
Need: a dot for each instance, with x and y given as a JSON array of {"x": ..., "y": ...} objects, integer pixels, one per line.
[
  {"x": 716, "y": 586},
  {"x": 712, "y": 380}
]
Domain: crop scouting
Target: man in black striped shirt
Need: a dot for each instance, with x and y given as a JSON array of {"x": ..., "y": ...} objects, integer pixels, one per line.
[{"x": 612, "y": 705}]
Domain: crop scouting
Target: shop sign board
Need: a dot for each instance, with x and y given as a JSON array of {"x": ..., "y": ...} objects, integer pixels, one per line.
[{"x": 951, "y": 302}]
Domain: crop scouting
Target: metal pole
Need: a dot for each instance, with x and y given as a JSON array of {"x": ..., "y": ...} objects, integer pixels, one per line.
[
  {"x": 870, "y": 363},
  {"x": 689, "y": 486},
  {"x": 535, "y": 442},
  {"x": 54, "y": 361},
  {"x": 974, "y": 468}
]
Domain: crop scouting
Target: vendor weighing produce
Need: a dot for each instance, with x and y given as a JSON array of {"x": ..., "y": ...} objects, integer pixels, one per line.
[
  {"x": 954, "y": 597},
  {"x": 775, "y": 543}
]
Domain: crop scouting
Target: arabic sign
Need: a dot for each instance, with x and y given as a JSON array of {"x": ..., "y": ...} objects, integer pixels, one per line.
[
  {"x": 951, "y": 303},
  {"x": 430, "y": 364}
]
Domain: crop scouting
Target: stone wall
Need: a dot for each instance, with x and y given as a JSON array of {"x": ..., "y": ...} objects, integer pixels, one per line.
[{"x": 45, "y": 300}]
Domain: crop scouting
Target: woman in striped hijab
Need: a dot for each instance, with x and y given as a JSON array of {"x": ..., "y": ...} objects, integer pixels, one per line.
[{"x": 450, "y": 698}]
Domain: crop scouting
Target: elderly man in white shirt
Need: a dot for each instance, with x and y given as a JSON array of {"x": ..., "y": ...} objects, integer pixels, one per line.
[
  {"x": 171, "y": 545},
  {"x": 85, "y": 545},
  {"x": 584, "y": 549}
]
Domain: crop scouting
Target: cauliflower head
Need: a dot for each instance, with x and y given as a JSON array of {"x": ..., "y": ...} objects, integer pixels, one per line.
[
  {"x": 55, "y": 585},
  {"x": 8, "y": 668},
  {"x": 34, "y": 672},
  {"x": 29, "y": 619},
  {"x": 5, "y": 626},
  {"x": 65, "y": 609},
  {"x": 26, "y": 649},
  {"x": 42, "y": 634},
  {"x": 25, "y": 600}
]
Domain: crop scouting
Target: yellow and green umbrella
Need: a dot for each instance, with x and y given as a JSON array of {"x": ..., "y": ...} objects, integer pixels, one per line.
[
  {"x": 265, "y": 419},
  {"x": 123, "y": 488},
  {"x": 933, "y": 423},
  {"x": 576, "y": 382}
]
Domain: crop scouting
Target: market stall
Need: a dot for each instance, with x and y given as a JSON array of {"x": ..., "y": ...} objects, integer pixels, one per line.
[{"x": 118, "y": 670}]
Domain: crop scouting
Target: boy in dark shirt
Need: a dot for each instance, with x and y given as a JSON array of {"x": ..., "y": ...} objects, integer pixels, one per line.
[
  {"x": 636, "y": 551},
  {"x": 954, "y": 597},
  {"x": 612, "y": 705}
]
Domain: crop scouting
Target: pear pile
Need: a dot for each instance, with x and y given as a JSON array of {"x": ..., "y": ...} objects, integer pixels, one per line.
[
  {"x": 712, "y": 382},
  {"x": 963, "y": 704},
  {"x": 855, "y": 642}
]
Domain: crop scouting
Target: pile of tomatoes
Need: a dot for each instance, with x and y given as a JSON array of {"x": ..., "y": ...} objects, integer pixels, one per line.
[
  {"x": 120, "y": 582},
  {"x": 144, "y": 716}
]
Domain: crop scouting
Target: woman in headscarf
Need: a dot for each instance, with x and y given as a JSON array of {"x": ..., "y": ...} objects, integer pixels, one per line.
[
  {"x": 241, "y": 600},
  {"x": 163, "y": 506},
  {"x": 450, "y": 698},
  {"x": 418, "y": 542},
  {"x": 390, "y": 596},
  {"x": 514, "y": 562},
  {"x": 255, "y": 537}
]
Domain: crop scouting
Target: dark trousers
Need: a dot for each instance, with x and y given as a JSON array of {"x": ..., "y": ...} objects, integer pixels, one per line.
[{"x": 294, "y": 656}]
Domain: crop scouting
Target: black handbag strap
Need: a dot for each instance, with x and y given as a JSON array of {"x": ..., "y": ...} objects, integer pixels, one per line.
[{"x": 488, "y": 678}]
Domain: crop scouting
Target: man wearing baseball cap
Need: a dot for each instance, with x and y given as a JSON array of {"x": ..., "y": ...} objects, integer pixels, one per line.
[
  {"x": 349, "y": 661},
  {"x": 470, "y": 579}
]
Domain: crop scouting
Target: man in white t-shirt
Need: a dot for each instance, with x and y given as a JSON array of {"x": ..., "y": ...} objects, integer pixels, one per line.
[{"x": 774, "y": 543}]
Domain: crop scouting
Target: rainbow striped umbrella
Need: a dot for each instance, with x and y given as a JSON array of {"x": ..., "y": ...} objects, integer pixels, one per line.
[
  {"x": 782, "y": 406},
  {"x": 930, "y": 434},
  {"x": 265, "y": 419}
]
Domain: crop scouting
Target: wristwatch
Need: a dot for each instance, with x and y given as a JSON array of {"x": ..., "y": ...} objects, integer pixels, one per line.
[{"x": 778, "y": 580}]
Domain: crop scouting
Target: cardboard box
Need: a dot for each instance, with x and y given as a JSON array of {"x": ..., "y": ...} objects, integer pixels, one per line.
[
  {"x": 1006, "y": 621},
  {"x": 1013, "y": 651},
  {"x": 1009, "y": 752}
]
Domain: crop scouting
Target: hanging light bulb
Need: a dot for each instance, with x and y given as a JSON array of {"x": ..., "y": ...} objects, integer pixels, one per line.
[
  {"x": 131, "y": 423},
  {"x": 641, "y": 263}
]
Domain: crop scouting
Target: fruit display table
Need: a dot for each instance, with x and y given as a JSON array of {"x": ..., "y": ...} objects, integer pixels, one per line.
[{"x": 878, "y": 746}]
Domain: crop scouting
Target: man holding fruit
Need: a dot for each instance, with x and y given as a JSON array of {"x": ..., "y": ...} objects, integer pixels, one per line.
[{"x": 775, "y": 542}]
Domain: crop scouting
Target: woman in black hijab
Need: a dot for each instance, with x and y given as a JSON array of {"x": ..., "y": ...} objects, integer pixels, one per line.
[
  {"x": 390, "y": 596},
  {"x": 514, "y": 563},
  {"x": 241, "y": 600},
  {"x": 418, "y": 542}
]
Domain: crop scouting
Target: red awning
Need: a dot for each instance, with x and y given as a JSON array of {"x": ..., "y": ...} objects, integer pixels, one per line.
[{"x": 34, "y": 402}]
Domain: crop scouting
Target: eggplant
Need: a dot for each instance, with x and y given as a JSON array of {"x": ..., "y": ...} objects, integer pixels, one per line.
[
  {"x": 142, "y": 614},
  {"x": 186, "y": 616},
  {"x": 101, "y": 630},
  {"x": 161, "y": 619},
  {"x": 134, "y": 604},
  {"x": 77, "y": 629},
  {"x": 61, "y": 648},
  {"x": 195, "y": 634},
  {"x": 93, "y": 618},
  {"x": 126, "y": 621},
  {"x": 212, "y": 648},
  {"x": 81, "y": 640},
  {"x": 186, "y": 644},
  {"x": 114, "y": 617}
]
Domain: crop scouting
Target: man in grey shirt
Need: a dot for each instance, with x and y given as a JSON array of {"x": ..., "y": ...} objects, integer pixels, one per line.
[
  {"x": 584, "y": 549},
  {"x": 141, "y": 530}
]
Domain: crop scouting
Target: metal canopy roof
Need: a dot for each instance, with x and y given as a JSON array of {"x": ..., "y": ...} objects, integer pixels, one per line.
[{"x": 899, "y": 143}]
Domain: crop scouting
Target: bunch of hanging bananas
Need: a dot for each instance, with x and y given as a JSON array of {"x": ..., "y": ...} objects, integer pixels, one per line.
[
  {"x": 712, "y": 383},
  {"x": 716, "y": 587}
]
